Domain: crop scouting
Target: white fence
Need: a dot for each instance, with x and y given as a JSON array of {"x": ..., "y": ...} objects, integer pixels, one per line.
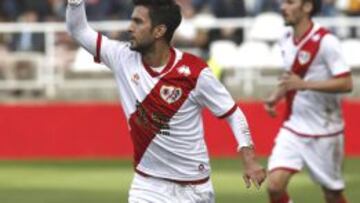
[{"x": 49, "y": 79}]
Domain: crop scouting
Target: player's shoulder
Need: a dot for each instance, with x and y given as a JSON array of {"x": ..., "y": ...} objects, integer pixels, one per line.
[
  {"x": 286, "y": 37},
  {"x": 287, "y": 34},
  {"x": 121, "y": 48},
  {"x": 330, "y": 42},
  {"x": 328, "y": 35},
  {"x": 195, "y": 63},
  {"x": 331, "y": 39}
]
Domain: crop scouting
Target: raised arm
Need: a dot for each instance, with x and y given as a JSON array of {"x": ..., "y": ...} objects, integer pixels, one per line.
[{"x": 78, "y": 27}]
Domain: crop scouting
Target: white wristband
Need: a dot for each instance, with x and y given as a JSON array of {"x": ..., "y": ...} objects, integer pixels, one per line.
[{"x": 75, "y": 2}]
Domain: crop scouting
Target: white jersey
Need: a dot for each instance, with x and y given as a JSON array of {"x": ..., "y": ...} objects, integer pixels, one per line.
[
  {"x": 317, "y": 56},
  {"x": 164, "y": 110}
]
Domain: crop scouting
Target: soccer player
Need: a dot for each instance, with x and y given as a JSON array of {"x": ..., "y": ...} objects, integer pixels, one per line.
[
  {"x": 163, "y": 92},
  {"x": 315, "y": 78}
]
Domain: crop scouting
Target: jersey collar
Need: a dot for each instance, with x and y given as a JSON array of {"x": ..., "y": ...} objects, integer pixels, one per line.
[
  {"x": 297, "y": 42},
  {"x": 167, "y": 67}
]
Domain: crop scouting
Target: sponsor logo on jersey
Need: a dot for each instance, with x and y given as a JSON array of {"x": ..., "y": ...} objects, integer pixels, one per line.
[
  {"x": 316, "y": 38},
  {"x": 184, "y": 70},
  {"x": 304, "y": 57},
  {"x": 170, "y": 94},
  {"x": 202, "y": 168},
  {"x": 135, "y": 79}
]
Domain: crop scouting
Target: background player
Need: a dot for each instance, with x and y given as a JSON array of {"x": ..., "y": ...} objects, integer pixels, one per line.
[{"x": 312, "y": 133}]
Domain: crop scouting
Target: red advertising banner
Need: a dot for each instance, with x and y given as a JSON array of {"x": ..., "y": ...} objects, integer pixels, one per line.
[{"x": 100, "y": 131}]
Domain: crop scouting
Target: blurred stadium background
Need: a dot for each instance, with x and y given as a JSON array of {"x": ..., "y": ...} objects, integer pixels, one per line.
[{"x": 63, "y": 136}]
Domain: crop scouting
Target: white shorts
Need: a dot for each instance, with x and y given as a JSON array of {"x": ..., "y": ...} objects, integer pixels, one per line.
[
  {"x": 155, "y": 190},
  {"x": 322, "y": 156}
]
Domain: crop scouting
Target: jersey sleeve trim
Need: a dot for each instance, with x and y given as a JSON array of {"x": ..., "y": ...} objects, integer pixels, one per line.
[
  {"x": 97, "y": 58},
  {"x": 231, "y": 111},
  {"x": 342, "y": 75}
]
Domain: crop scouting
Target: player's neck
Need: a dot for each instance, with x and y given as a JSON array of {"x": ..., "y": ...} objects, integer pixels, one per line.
[
  {"x": 302, "y": 28},
  {"x": 158, "y": 56}
]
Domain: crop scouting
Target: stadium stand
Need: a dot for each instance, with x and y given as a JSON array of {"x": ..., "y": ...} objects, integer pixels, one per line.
[{"x": 241, "y": 44}]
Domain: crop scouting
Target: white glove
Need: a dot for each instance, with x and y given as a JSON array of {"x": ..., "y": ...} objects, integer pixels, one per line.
[{"x": 75, "y": 2}]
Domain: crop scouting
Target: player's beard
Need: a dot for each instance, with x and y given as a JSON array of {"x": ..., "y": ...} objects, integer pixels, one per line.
[
  {"x": 141, "y": 47},
  {"x": 293, "y": 20},
  {"x": 289, "y": 23}
]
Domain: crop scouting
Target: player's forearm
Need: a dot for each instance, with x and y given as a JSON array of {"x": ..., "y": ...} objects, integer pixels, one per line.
[
  {"x": 78, "y": 27},
  {"x": 335, "y": 85},
  {"x": 240, "y": 128}
]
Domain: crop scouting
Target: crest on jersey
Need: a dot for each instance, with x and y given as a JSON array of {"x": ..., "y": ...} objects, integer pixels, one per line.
[
  {"x": 135, "y": 78},
  {"x": 170, "y": 94},
  {"x": 184, "y": 70},
  {"x": 304, "y": 57}
]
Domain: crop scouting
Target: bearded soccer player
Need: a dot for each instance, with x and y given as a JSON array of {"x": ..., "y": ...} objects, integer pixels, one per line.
[
  {"x": 163, "y": 92},
  {"x": 313, "y": 130}
]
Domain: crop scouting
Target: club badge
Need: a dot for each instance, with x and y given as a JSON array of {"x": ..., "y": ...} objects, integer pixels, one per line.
[
  {"x": 170, "y": 94},
  {"x": 304, "y": 57}
]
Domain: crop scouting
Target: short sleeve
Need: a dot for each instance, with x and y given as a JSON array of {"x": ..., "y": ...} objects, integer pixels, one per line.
[
  {"x": 333, "y": 57},
  {"x": 213, "y": 95}
]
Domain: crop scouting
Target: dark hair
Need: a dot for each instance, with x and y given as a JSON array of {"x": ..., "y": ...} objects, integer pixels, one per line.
[
  {"x": 165, "y": 12},
  {"x": 317, "y": 4}
]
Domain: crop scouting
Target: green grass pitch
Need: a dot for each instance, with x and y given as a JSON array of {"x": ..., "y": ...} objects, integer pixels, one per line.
[{"x": 89, "y": 181}]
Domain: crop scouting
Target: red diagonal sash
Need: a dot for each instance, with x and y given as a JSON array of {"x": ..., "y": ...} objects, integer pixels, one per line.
[
  {"x": 152, "y": 116},
  {"x": 302, "y": 62}
]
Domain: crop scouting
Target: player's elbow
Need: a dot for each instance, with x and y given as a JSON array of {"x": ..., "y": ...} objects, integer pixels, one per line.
[
  {"x": 345, "y": 84},
  {"x": 348, "y": 86}
]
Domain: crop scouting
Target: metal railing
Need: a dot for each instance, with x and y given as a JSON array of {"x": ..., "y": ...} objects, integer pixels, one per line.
[{"x": 48, "y": 75}]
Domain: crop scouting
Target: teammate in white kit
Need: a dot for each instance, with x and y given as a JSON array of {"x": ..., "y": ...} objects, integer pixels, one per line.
[
  {"x": 163, "y": 92},
  {"x": 313, "y": 129}
]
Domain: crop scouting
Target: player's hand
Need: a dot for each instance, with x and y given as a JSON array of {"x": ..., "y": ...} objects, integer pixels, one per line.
[
  {"x": 254, "y": 173},
  {"x": 291, "y": 81},
  {"x": 75, "y": 2},
  {"x": 269, "y": 105}
]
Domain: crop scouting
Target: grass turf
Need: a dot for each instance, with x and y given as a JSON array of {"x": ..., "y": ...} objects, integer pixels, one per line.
[{"x": 89, "y": 181}]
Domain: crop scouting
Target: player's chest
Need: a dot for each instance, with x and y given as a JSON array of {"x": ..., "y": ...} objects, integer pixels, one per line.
[
  {"x": 168, "y": 87},
  {"x": 293, "y": 54},
  {"x": 138, "y": 81}
]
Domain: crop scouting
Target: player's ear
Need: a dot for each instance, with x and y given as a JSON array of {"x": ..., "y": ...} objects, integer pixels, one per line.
[
  {"x": 160, "y": 31},
  {"x": 308, "y": 7}
]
